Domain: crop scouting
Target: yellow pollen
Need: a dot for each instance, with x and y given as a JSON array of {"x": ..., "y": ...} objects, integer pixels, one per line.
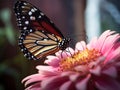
[{"x": 79, "y": 58}]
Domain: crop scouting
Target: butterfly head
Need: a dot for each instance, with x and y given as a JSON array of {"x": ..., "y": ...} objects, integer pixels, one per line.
[{"x": 64, "y": 43}]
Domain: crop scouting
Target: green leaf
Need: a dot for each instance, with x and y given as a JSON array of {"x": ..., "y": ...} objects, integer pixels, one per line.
[
  {"x": 5, "y": 15},
  {"x": 10, "y": 34}
]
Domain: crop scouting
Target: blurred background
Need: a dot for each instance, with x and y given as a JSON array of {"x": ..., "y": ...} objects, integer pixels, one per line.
[{"x": 77, "y": 19}]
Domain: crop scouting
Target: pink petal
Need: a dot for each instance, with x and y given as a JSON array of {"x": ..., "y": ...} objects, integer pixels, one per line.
[
  {"x": 64, "y": 54},
  {"x": 67, "y": 86},
  {"x": 80, "y": 46},
  {"x": 67, "y": 73},
  {"x": 96, "y": 71},
  {"x": 92, "y": 43},
  {"x": 50, "y": 73},
  {"x": 32, "y": 78},
  {"x": 117, "y": 64},
  {"x": 117, "y": 44},
  {"x": 45, "y": 68},
  {"x": 109, "y": 42},
  {"x": 52, "y": 61},
  {"x": 102, "y": 39},
  {"x": 81, "y": 68},
  {"x": 53, "y": 83},
  {"x": 74, "y": 77},
  {"x": 113, "y": 55},
  {"x": 69, "y": 51},
  {"x": 82, "y": 84},
  {"x": 35, "y": 86},
  {"x": 107, "y": 83},
  {"x": 111, "y": 71},
  {"x": 58, "y": 54}
]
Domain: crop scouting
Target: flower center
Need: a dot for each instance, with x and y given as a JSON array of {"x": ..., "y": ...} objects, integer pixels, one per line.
[{"x": 79, "y": 58}]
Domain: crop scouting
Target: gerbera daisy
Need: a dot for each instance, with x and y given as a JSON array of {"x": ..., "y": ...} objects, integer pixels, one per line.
[{"x": 92, "y": 66}]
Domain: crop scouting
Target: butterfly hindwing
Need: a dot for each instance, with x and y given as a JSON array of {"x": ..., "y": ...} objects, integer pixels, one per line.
[{"x": 40, "y": 46}]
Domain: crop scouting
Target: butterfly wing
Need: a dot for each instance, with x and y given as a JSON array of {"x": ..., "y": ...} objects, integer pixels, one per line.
[
  {"x": 39, "y": 36},
  {"x": 39, "y": 44}
]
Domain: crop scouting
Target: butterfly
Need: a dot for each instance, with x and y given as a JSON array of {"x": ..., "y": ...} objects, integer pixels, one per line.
[{"x": 39, "y": 36}]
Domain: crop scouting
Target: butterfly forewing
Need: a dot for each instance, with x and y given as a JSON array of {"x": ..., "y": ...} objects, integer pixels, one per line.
[
  {"x": 31, "y": 18},
  {"x": 39, "y": 36}
]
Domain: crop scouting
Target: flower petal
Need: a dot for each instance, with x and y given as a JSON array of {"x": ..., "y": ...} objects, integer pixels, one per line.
[
  {"x": 111, "y": 71},
  {"x": 69, "y": 51},
  {"x": 74, "y": 77},
  {"x": 33, "y": 78},
  {"x": 46, "y": 68},
  {"x": 109, "y": 43},
  {"x": 113, "y": 55},
  {"x": 107, "y": 83},
  {"x": 96, "y": 71},
  {"x": 35, "y": 86},
  {"x": 80, "y": 46},
  {"x": 52, "y": 61},
  {"x": 82, "y": 85},
  {"x": 102, "y": 39},
  {"x": 83, "y": 69},
  {"x": 92, "y": 43},
  {"x": 66, "y": 53},
  {"x": 67, "y": 86},
  {"x": 53, "y": 83}
]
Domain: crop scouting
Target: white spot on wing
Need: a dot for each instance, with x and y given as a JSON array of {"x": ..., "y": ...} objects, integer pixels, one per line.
[
  {"x": 30, "y": 13},
  {"x": 19, "y": 24},
  {"x": 45, "y": 39},
  {"x": 31, "y": 30},
  {"x": 19, "y": 19},
  {"x": 18, "y": 13},
  {"x": 26, "y": 22},
  {"x": 21, "y": 38},
  {"x": 25, "y": 28},
  {"x": 23, "y": 7},
  {"x": 39, "y": 17},
  {"x": 22, "y": 50},
  {"x": 23, "y": 17},
  {"x": 25, "y": 3},
  {"x": 33, "y": 10},
  {"x": 41, "y": 13},
  {"x": 25, "y": 55},
  {"x": 32, "y": 18}
]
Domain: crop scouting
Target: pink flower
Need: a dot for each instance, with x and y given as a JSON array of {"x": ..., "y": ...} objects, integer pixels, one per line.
[{"x": 93, "y": 66}]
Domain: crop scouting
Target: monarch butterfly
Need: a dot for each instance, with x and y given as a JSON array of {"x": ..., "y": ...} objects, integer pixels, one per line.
[{"x": 39, "y": 36}]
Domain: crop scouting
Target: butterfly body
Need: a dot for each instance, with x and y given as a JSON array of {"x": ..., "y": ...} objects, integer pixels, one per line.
[{"x": 39, "y": 36}]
